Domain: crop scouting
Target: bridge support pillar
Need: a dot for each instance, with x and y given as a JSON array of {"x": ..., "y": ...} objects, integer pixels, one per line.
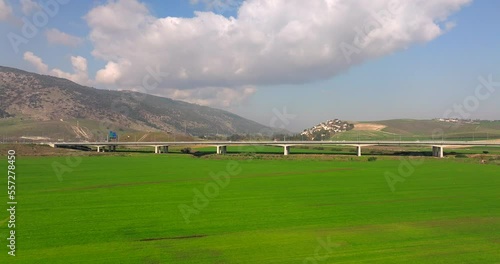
[
  {"x": 101, "y": 149},
  {"x": 286, "y": 150},
  {"x": 358, "y": 150},
  {"x": 437, "y": 151},
  {"x": 161, "y": 149},
  {"x": 221, "y": 150}
]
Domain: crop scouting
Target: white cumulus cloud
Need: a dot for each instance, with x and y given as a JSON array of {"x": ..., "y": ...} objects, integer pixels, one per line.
[
  {"x": 110, "y": 74},
  {"x": 28, "y": 6},
  {"x": 54, "y": 36},
  {"x": 5, "y": 10},
  {"x": 222, "y": 97},
  {"x": 80, "y": 71},
  {"x": 269, "y": 42},
  {"x": 36, "y": 62}
]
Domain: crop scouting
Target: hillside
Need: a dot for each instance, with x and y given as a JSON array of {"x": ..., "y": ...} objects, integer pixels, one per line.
[
  {"x": 326, "y": 129},
  {"x": 45, "y": 106},
  {"x": 410, "y": 129}
]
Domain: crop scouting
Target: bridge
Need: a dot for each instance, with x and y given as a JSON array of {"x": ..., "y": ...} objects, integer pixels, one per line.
[{"x": 221, "y": 146}]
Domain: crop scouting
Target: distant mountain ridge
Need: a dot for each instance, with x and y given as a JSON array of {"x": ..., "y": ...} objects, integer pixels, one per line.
[
  {"x": 413, "y": 129},
  {"x": 403, "y": 129},
  {"x": 47, "y": 98}
]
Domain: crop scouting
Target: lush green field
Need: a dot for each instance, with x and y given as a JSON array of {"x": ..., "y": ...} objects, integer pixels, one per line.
[
  {"x": 279, "y": 150},
  {"x": 368, "y": 135},
  {"x": 344, "y": 150},
  {"x": 127, "y": 209}
]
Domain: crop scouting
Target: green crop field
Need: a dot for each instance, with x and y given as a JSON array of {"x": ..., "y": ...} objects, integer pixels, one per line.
[
  {"x": 279, "y": 150},
  {"x": 367, "y": 135},
  {"x": 173, "y": 208}
]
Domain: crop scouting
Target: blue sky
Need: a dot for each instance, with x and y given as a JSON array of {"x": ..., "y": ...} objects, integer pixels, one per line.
[{"x": 421, "y": 77}]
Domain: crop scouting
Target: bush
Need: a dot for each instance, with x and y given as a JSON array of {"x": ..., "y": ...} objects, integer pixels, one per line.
[
  {"x": 372, "y": 159},
  {"x": 186, "y": 150},
  {"x": 486, "y": 152}
]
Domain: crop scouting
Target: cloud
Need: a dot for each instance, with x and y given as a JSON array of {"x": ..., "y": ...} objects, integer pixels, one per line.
[
  {"x": 54, "y": 36},
  {"x": 270, "y": 42},
  {"x": 28, "y": 6},
  {"x": 5, "y": 10},
  {"x": 221, "y": 97},
  {"x": 80, "y": 74},
  {"x": 110, "y": 74},
  {"x": 36, "y": 62},
  {"x": 80, "y": 70}
]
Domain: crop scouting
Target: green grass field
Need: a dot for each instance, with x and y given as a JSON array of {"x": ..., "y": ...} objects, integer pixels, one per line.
[
  {"x": 342, "y": 150},
  {"x": 367, "y": 135},
  {"x": 126, "y": 209},
  {"x": 279, "y": 150}
]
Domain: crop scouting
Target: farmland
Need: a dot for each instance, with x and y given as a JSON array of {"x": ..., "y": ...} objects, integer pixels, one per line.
[{"x": 145, "y": 208}]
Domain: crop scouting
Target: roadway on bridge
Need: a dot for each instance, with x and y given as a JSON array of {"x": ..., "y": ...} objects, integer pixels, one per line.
[{"x": 162, "y": 147}]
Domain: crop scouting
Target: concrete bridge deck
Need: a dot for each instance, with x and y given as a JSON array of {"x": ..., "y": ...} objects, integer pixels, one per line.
[{"x": 221, "y": 146}]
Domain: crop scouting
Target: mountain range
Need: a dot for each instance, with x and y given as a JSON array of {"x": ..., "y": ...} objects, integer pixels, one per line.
[
  {"x": 49, "y": 104},
  {"x": 41, "y": 107}
]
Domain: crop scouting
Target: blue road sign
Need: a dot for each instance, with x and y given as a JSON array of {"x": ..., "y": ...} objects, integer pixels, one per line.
[{"x": 112, "y": 135}]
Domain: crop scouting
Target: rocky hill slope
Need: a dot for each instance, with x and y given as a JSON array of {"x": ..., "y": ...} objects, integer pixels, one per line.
[{"x": 47, "y": 99}]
